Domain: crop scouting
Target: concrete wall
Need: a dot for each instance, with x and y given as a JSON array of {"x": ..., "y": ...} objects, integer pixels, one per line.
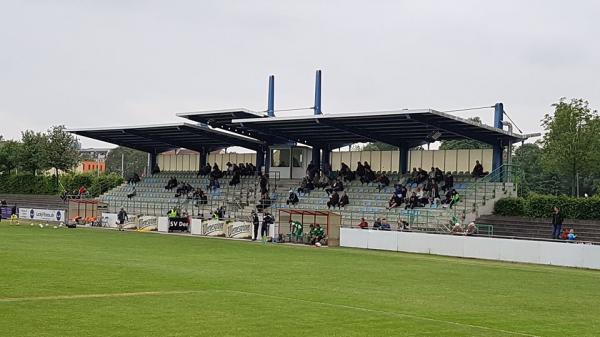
[{"x": 527, "y": 251}]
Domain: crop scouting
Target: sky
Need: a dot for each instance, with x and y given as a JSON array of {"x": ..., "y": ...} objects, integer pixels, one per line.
[{"x": 85, "y": 63}]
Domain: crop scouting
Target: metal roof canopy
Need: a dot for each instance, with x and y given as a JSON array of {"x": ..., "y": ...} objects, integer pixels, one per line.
[
  {"x": 223, "y": 119},
  {"x": 164, "y": 137},
  {"x": 398, "y": 128}
]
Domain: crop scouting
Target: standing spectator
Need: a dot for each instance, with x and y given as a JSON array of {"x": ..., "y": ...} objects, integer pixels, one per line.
[
  {"x": 255, "y": 224},
  {"x": 122, "y": 216},
  {"x": 264, "y": 184},
  {"x": 557, "y": 221},
  {"x": 268, "y": 219}
]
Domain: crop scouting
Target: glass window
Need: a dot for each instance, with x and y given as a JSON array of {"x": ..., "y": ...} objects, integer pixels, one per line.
[
  {"x": 280, "y": 158},
  {"x": 297, "y": 157}
]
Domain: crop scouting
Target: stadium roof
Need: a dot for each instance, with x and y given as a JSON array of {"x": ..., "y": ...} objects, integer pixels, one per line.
[
  {"x": 223, "y": 119},
  {"x": 164, "y": 137},
  {"x": 410, "y": 127}
]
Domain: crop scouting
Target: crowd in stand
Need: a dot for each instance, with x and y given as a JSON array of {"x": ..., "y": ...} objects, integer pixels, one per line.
[{"x": 420, "y": 189}]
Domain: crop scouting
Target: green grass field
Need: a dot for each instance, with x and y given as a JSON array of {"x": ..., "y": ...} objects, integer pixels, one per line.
[{"x": 84, "y": 282}]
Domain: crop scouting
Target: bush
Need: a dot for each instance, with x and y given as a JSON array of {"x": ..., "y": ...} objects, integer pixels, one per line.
[
  {"x": 541, "y": 206},
  {"x": 26, "y": 184},
  {"x": 510, "y": 207},
  {"x": 30, "y": 184}
]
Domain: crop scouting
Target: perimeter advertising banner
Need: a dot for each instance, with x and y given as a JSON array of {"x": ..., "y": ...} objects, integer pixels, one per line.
[
  {"x": 238, "y": 230},
  {"x": 213, "y": 228},
  {"x": 42, "y": 214}
]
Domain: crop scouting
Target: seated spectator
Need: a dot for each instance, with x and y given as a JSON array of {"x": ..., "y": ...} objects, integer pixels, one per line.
[
  {"x": 401, "y": 191},
  {"x": 377, "y": 224},
  {"x": 82, "y": 191},
  {"x": 421, "y": 176},
  {"x": 413, "y": 201},
  {"x": 383, "y": 181},
  {"x": 471, "y": 229},
  {"x": 235, "y": 180},
  {"x": 213, "y": 185},
  {"x": 403, "y": 225},
  {"x": 205, "y": 170},
  {"x": 334, "y": 200},
  {"x": 565, "y": 234},
  {"x": 344, "y": 200},
  {"x": 571, "y": 236},
  {"x": 216, "y": 172},
  {"x": 478, "y": 170},
  {"x": 292, "y": 198},
  {"x": 423, "y": 200},
  {"x": 395, "y": 201},
  {"x": 439, "y": 175},
  {"x": 369, "y": 175},
  {"x": 385, "y": 225},
  {"x": 312, "y": 170},
  {"x": 346, "y": 173},
  {"x": 360, "y": 170},
  {"x": 132, "y": 193},
  {"x": 414, "y": 176},
  {"x": 317, "y": 233},
  {"x": 306, "y": 186},
  {"x": 363, "y": 224},
  {"x": 455, "y": 198},
  {"x": 448, "y": 181},
  {"x": 457, "y": 229},
  {"x": 431, "y": 174},
  {"x": 134, "y": 179},
  {"x": 337, "y": 186},
  {"x": 199, "y": 197},
  {"x": 323, "y": 182},
  {"x": 434, "y": 193},
  {"x": 172, "y": 183}
]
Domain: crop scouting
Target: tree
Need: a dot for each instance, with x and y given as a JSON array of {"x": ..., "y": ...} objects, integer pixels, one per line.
[
  {"x": 33, "y": 156},
  {"x": 465, "y": 144},
  {"x": 379, "y": 146},
  {"x": 9, "y": 152},
  {"x": 529, "y": 159},
  {"x": 571, "y": 141},
  {"x": 134, "y": 161},
  {"x": 62, "y": 150}
]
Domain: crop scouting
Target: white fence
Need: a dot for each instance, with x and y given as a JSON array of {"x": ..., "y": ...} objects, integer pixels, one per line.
[{"x": 527, "y": 251}]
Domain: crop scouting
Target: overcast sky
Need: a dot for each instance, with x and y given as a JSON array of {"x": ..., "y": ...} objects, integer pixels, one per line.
[{"x": 125, "y": 62}]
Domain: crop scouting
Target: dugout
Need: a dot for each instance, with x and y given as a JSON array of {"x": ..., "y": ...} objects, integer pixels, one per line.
[{"x": 330, "y": 221}]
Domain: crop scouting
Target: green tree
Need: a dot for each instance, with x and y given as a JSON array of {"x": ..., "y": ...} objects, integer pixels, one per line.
[
  {"x": 135, "y": 161},
  {"x": 464, "y": 144},
  {"x": 9, "y": 152},
  {"x": 33, "y": 156},
  {"x": 379, "y": 146},
  {"x": 571, "y": 141},
  {"x": 62, "y": 150}
]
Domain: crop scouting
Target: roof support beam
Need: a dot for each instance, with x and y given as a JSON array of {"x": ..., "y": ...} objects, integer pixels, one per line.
[
  {"x": 176, "y": 144},
  {"x": 233, "y": 141},
  {"x": 449, "y": 128}
]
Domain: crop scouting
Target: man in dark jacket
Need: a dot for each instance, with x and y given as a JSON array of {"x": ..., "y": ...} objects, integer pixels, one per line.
[{"x": 557, "y": 220}]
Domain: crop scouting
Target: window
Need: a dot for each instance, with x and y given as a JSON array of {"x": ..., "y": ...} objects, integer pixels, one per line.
[
  {"x": 280, "y": 158},
  {"x": 297, "y": 157}
]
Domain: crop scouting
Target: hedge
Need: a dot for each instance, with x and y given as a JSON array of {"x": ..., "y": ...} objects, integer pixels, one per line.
[
  {"x": 540, "y": 206},
  {"x": 30, "y": 184}
]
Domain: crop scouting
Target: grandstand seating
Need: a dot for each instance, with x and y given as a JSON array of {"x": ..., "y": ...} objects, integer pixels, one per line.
[{"x": 365, "y": 200}]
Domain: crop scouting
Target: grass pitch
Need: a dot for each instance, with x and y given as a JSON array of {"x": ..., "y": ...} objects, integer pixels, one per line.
[{"x": 82, "y": 282}]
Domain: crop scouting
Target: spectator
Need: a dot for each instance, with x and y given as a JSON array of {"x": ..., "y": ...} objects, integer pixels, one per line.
[
  {"x": 471, "y": 229},
  {"x": 414, "y": 176},
  {"x": 346, "y": 173},
  {"x": 369, "y": 175},
  {"x": 334, "y": 200},
  {"x": 565, "y": 234},
  {"x": 403, "y": 225},
  {"x": 317, "y": 234},
  {"x": 213, "y": 185},
  {"x": 235, "y": 180},
  {"x": 264, "y": 183},
  {"x": 172, "y": 183},
  {"x": 306, "y": 186},
  {"x": 134, "y": 179},
  {"x": 448, "y": 181},
  {"x": 422, "y": 199},
  {"x": 344, "y": 200},
  {"x": 363, "y": 224},
  {"x": 292, "y": 198},
  {"x": 457, "y": 229},
  {"x": 431, "y": 174},
  {"x": 216, "y": 172},
  {"x": 82, "y": 191},
  {"x": 395, "y": 201},
  {"x": 199, "y": 197},
  {"x": 337, "y": 186},
  {"x": 455, "y": 198},
  {"x": 478, "y": 170},
  {"x": 557, "y": 221},
  {"x": 205, "y": 170},
  {"x": 571, "y": 236},
  {"x": 323, "y": 182},
  {"x": 121, "y": 217},
  {"x": 312, "y": 170},
  {"x": 268, "y": 219},
  {"x": 383, "y": 181},
  {"x": 385, "y": 225},
  {"x": 439, "y": 175},
  {"x": 132, "y": 193},
  {"x": 413, "y": 201},
  {"x": 377, "y": 224}
]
